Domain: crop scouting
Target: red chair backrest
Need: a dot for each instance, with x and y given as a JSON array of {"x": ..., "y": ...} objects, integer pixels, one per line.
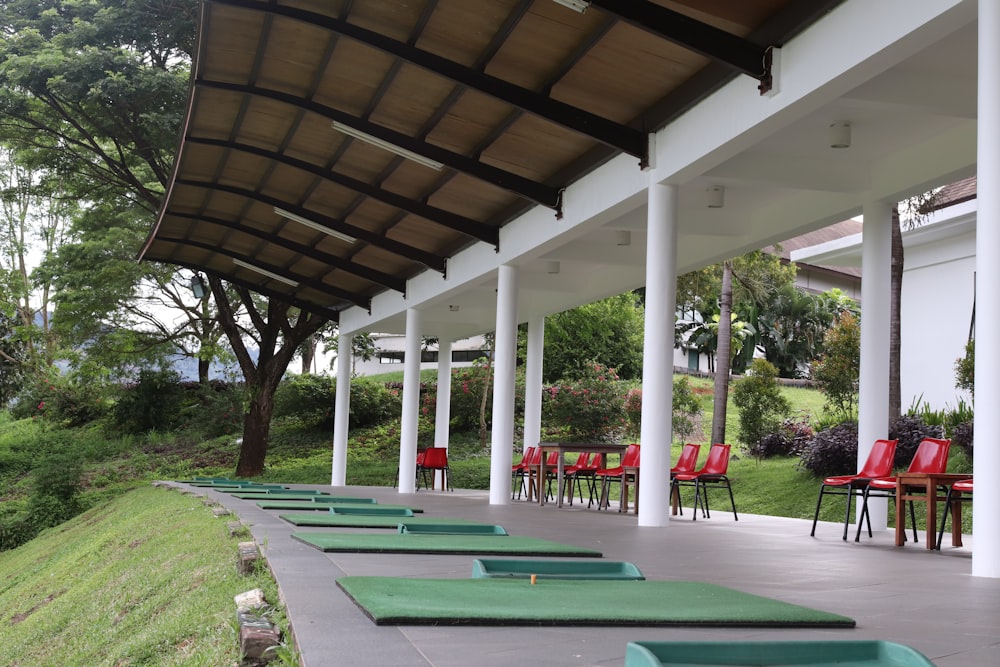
[
  {"x": 420, "y": 457},
  {"x": 435, "y": 457},
  {"x": 551, "y": 460},
  {"x": 880, "y": 458},
  {"x": 717, "y": 462},
  {"x": 631, "y": 456},
  {"x": 688, "y": 460},
  {"x": 534, "y": 457},
  {"x": 583, "y": 460},
  {"x": 596, "y": 461},
  {"x": 931, "y": 456}
]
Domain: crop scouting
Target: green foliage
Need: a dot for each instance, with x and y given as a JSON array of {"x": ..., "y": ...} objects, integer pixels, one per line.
[
  {"x": 910, "y": 430},
  {"x": 309, "y": 398},
  {"x": 838, "y": 369},
  {"x": 372, "y": 402},
  {"x": 834, "y": 451},
  {"x": 213, "y": 409},
  {"x": 56, "y": 485},
  {"x": 152, "y": 403},
  {"x": 686, "y": 411},
  {"x": 591, "y": 406},
  {"x": 760, "y": 402},
  {"x": 965, "y": 369},
  {"x": 13, "y": 354},
  {"x": 609, "y": 332},
  {"x": 65, "y": 400}
]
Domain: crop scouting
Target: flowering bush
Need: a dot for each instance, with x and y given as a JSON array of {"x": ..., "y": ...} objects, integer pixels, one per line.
[
  {"x": 686, "y": 411},
  {"x": 590, "y": 407}
]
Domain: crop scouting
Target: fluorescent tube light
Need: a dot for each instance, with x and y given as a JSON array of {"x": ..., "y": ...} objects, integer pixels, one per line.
[
  {"x": 388, "y": 146},
  {"x": 313, "y": 225},
  {"x": 576, "y": 5},
  {"x": 265, "y": 272}
]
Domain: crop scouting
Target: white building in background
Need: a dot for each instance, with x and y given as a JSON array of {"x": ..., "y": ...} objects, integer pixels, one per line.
[
  {"x": 937, "y": 309},
  {"x": 391, "y": 352}
]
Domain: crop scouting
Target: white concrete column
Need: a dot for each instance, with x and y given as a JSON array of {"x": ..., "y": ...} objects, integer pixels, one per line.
[
  {"x": 657, "y": 355},
  {"x": 411, "y": 403},
  {"x": 873, "y": 382},
  {"x": 442, "y": 413},
  {"x": 986, "y": 456},
  {"x": 342, "y": 409},
  {"x": 533, "y": 382},
  {"x": 504, "y": 363}
]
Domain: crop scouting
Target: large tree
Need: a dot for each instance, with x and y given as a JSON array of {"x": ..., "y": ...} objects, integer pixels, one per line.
[
  {"x": 94, "y": 93},
  {"x": 607, "y": 331}
]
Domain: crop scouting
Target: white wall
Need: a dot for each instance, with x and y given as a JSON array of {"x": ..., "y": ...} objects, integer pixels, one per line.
[{"x": 935, "y": 310}]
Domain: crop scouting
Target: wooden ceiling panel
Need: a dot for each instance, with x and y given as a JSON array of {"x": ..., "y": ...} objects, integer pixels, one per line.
[
  {"x": 460, "y": 30},
  {"x": 270, "y": 78},
  {"x": 542, "y": 43},
  {"x": 294, "y": 52},
  {"x": 411, "y": 99},
  {"x": 353, "y": 76},
  {"x": 631, "y": 68}
]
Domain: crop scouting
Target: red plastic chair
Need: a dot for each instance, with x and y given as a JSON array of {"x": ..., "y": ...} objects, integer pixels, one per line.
[
  {"x": 435, "y": 458},
  {"x": 964, "y": 488},
  {"x": 713, "y": 472},
  {"x": 586, "y": 465},
  {"x": 931, "y": 456},
  {"x": 878, "y": 464},
  {"x": 521, "y": 468},
  {"x": 686, "y": 462},
  {"x": 608, "y": 475}
]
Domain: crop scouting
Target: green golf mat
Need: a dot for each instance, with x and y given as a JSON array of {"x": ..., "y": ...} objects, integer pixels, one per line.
[
  {"x": 364, "y": 520},
  {"x": 250, "y": 495},
  {"x": 320, "y": 506},
  {"x": 404, "y": 601},
  {"x": 441, "y": 544}
]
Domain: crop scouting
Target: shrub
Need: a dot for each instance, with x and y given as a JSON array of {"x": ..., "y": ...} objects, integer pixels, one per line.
[
  {"x": 152, "y": 403},
  {"x": 56, "y": 483},
  {"x": 910, "y": 430},
  {"x": 686, "y": 411},
  {"x": 961, "y": 437},
  {"x": 791, "y": 439},
  {"x": 66, "y": 400},
  {"x": 373, "y": 402},
  {"x": 760, "y": 402},
  {"x": 214, "y": 409},
  {"x": 591, "y": 407},
  {"x": 309, "y": 399},
  {"x": 837, "y": 370},
  {"x": 833, "y": 451},
  {"x": 965, "y": 369}
]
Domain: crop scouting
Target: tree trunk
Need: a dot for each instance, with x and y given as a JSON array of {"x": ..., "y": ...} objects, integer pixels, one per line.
[
  {"x": 256, "y": 430},
  {"x": 308, "y": 352},
  {"x": 203, "y": 366},
  {"x": 722, "y": 355},
  {"x": 896, "y": 286}
]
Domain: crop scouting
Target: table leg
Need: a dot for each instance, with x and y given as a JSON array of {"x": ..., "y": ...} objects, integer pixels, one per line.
[
  {"x": 541, "y": 480},
  {"x": 956, "y": 519},
  {"x": 931, "y": 515},
  {"x": 900, "y": 516},
  {"x": 560, "y": 469}
]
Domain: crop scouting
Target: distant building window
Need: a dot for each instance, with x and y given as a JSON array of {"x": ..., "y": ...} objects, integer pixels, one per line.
[
  {"x": 390, "y": 357},
  {"x": 469, "y": 355}
]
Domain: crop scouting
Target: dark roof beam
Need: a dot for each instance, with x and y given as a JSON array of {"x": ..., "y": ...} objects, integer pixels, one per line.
[
  {"x": 735, "y": 52},
  {"x": 362, "y": 301},
  {"x": 454, "y": 221},
  {"x": 596, "y": 127},
  {"x": 523, "y": 187},
  {"x": 378, "y": 277},
  {"x": 430, "y": 260}
]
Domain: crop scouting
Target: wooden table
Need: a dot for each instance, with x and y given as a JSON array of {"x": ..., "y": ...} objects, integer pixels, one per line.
[
  {"x": 629, "y": 473},
  {"x": 563, "y": 448},
  {"x": 917, "y": 486}
]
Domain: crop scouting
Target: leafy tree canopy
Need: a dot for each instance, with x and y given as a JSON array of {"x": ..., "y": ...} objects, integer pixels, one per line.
[{"x": 608, "y": 332}]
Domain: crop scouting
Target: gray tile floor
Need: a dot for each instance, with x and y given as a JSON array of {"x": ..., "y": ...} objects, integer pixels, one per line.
[{"x": 927, "y": 600}]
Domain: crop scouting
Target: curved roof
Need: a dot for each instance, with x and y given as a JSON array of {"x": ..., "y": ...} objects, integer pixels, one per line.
[{"x": 334, "y": 150}]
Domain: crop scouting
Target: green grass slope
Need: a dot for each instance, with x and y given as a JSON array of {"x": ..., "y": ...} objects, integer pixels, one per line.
[{"x": 145, "y": 579}]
